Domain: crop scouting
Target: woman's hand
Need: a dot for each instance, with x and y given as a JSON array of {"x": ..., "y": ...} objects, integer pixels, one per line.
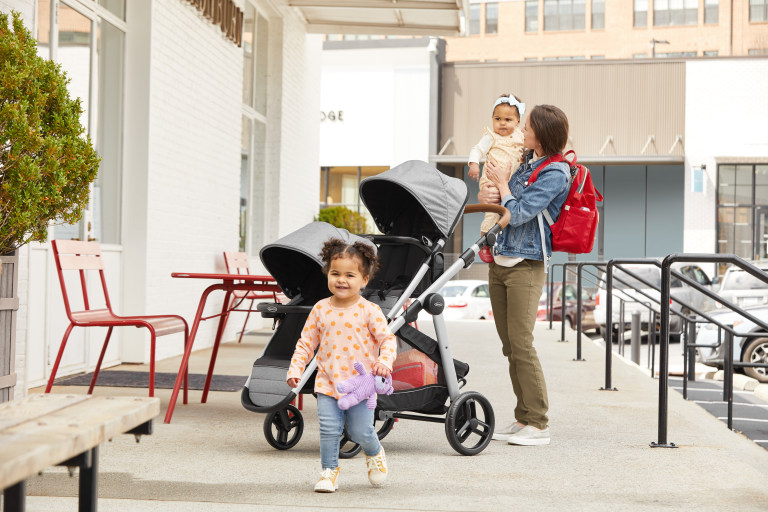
[
  {"x": 293, "y": 382},
  {"x": 496, "y": 174},
  {"x": 489, "y": 194},
  {"x": 381, "y": 370}
]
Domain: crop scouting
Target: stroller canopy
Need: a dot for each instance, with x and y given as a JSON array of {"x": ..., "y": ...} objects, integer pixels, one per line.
[
  {"x": 415, "y": 199},
  {"x": 294, "y": 260}
]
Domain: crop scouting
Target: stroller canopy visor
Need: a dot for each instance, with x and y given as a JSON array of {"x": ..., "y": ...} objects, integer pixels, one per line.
[
  {"x": 415, "y": 199},
  {"x": 294, "y": 260}
]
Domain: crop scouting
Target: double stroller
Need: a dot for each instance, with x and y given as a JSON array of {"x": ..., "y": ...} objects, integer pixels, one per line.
[{"x": 417, "y": 208}]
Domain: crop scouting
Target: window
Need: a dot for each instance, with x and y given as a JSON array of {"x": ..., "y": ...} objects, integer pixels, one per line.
[
  {"x": 641, "y": 13},
  {"x": 90, "y": 47},
  {"x": 742, "y": 210},
  {"x": 492, "y": 18},
  {"x": 711, "y": 8},
  {"x": 710, "y": 53},
  {"x": 697, "y": 181},
  {"x": 564, "y": 15},
  {"x": 758, "y": 51},
  {"x": 474, "y": 19},
  {"x": 339, "y": 186},
  {"x": 597, "y": 57},
  {"x": 531, "y": 15},
  {"x": 758, "y": 10},
  {"x": 598, "y": 14},
  {"x": 675, "y": 12},
  {"x": 254, "y": 129}
]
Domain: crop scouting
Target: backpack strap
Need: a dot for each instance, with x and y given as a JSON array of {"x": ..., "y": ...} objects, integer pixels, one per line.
[
  {"x": 544, "y": 213},
  {"x": 554, "y": 158}
]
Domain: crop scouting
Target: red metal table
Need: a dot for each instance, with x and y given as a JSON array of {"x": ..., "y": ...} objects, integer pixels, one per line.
[{"x": 229, "y": 283}]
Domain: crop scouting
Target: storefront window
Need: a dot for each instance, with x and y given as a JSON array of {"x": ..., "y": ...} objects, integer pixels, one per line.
[
  {"x": 742, "y": 210},
  {"x": 339, "y": 186},
  {"x": 91, "y": 52}
]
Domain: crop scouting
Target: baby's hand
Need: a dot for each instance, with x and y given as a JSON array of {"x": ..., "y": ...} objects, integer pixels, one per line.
[
  {"x": 474, "y": 171},
  {"x": 381, "y": 370},
  {"x": 293, "y": 382}
]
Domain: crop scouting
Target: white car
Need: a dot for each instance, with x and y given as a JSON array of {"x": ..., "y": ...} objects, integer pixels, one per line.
[
  {"x": 465, "y": 300},
  {"x": 745, "y": 349},
  {"x": 633, "y": 300},
  {"x": 743, "y": 289}
]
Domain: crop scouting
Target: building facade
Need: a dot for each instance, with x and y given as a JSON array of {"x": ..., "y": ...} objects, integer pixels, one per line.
[
  {"x": 202, "y": 137},
  {"x": 537, "y": 30}
]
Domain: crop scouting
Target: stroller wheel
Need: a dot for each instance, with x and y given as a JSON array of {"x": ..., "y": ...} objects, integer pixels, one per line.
[
  {"x": 469, "y": 423},
  {"x": 348, "y": 448},
  {"x": 283, "y": 428}
]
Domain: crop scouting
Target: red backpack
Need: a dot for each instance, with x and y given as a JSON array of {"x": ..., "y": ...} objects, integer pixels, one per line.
[{"x": 575, "y": 228}]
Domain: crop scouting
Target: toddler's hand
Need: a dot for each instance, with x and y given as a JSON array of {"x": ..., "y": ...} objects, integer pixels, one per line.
[
  {"x": 293, "y": 382},
  {"x": 381, "y": 370},
  {"x": 474, "y": 171}
]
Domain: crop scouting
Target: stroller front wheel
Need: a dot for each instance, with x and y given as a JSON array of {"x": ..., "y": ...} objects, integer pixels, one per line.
[
  {"x": 283, "y": 428},
  {"x": 469, "y": 423}
]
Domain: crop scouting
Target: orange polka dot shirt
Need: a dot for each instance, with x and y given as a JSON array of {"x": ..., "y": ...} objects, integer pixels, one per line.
[{"x": 342, "y": 336}]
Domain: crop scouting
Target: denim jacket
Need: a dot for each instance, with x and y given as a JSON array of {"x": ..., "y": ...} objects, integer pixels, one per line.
[{"x": 521, "y": 238}]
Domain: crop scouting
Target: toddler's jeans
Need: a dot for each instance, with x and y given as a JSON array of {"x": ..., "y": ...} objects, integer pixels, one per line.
[{"x": 359, "y": 429}]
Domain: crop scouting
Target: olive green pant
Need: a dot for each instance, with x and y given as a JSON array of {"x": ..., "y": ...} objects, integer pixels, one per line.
[{"x": 515, "y": 293}]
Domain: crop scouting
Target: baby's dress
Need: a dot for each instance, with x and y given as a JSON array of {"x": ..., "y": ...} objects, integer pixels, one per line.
[{"x": 503, "y": 149}]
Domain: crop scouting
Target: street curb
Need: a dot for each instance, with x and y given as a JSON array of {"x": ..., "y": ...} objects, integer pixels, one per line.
[
  {"x": 761, "y": 392},
  {"x": 741, "y": 382}
]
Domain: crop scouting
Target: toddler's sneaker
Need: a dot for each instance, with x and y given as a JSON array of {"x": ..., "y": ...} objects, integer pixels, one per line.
[
  {"x": 504, "y": 433},
  {"x": 328, "y": 480},
  {"x": 485, "y": 254},
  {"x": 530, "y": 436},
  {"x": 377, "y": 468}
]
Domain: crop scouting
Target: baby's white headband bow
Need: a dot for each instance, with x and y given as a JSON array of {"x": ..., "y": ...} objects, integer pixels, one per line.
[{"x": 512, "y": 102}]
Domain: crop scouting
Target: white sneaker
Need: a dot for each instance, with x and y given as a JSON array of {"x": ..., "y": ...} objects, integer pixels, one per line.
[
  {"x": 530, "y": 436},
  {"x": 504, "y": 433},
  {"x": 328, "y": 480},
  {"x": 377, "y": 468}
]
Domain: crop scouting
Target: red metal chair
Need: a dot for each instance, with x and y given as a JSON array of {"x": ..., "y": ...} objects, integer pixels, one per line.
[
  {"x": 71, "y": 255},
  {"x": 237, "y": 263}
]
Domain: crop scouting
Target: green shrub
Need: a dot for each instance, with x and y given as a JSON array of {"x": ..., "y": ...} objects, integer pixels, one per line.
[
  {"x": 343, "y": 217},
  {"x": 46, "y": 161}
]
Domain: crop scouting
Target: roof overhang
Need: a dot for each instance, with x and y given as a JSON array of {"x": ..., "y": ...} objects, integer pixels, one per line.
[{"x": 384, "y": 17}]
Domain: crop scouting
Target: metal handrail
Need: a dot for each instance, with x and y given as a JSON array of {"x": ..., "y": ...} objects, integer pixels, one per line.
[{"x": 666, "y": 272}]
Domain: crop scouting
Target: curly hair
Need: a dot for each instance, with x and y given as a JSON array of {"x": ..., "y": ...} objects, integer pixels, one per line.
[{"x": 335, "y": 248}]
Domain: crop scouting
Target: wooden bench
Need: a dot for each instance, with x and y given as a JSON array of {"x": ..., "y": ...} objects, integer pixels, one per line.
[{"x": 46, "y": 430}]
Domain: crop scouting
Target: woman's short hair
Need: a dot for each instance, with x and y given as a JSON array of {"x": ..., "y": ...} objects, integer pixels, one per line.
[{"x": 550, "y": 125}]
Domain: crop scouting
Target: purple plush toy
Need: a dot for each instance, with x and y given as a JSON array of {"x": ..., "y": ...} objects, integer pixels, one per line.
[{"x": 361, "y": 387}]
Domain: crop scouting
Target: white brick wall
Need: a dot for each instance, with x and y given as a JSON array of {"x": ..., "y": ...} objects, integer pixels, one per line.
[
  {"x": 25, "y": 7},
  {"x": 194, "y": 160}
]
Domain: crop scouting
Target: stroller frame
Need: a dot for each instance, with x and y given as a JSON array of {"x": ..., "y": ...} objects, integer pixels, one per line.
[{"x": 283, "y": 425}]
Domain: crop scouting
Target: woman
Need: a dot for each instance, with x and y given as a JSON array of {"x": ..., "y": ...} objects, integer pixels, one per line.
[{"x": 517, "y": 274}]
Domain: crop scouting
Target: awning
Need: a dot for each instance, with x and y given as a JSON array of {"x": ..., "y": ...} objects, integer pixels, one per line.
[{"x": 383, "y": 17}]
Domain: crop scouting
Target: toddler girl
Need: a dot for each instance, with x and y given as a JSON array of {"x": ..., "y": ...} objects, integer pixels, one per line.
[
  {"x": 345, "y": 328},
  {"x": 504, "y": 145}
]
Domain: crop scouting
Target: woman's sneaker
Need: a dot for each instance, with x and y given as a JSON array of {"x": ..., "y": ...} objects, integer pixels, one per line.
[
  {"x": 328, "y": 480},
  {"x": 530, "y": 436},
  {"x": 504, "y": 433},
  {"x": 377, "y": 468}
]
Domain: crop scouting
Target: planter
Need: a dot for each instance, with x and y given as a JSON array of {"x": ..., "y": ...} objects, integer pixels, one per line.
[{"x": 9, "y": 304}]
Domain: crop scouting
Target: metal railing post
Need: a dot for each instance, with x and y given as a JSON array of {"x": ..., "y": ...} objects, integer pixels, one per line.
[
  {"x": 608, "y": 334},
  {"x": 562, "y": 304},
  {"x": 635, "y": 346},
  {"x": 728, "y": 380},
  {"x": 664, "y": 356},
  {"x": 691, "y": 344}
]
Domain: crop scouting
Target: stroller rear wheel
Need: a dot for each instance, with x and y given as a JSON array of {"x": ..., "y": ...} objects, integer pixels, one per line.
[
  {"x": 283, "y": 428},
  {"x": 469, "y": 423},
  {"x": 348, "y": 449}
]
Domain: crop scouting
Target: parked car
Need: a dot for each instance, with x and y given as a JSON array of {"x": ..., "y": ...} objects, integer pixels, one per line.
[
  {"x": 571, "y": 305},
  {"x": 626, "y": 288},
  {"x": 465, "y": 300},
  {"x": 745, "y": 349},
  {"x": 743, "y": 289}
]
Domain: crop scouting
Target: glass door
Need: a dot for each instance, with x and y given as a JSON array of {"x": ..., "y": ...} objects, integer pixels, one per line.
[{"x": 761, "y": 233}]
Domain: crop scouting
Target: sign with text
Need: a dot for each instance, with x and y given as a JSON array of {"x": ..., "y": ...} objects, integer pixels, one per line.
[{"x": 225, "y": 14}]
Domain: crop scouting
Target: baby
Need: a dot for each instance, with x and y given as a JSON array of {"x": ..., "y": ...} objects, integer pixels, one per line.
[{"x": 504, "y": 145}]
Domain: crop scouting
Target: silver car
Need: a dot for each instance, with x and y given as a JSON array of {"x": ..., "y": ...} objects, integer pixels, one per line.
[{"x": 745, "y": 349}]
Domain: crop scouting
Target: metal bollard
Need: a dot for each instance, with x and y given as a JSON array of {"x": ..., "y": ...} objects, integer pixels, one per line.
[{"x": 635, "y": 337}]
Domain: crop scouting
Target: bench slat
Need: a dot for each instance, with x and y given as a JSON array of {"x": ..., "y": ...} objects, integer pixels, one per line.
[
  {"x": 34, "y": 406},
  {"x": 45, "y": 440}
]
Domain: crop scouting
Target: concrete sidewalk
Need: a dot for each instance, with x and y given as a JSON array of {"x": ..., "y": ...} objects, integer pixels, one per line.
[{"x": 213, "y": 457}]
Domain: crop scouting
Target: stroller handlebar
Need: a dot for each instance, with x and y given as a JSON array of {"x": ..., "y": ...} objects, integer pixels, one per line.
[{"x": 492, "y": 208}]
